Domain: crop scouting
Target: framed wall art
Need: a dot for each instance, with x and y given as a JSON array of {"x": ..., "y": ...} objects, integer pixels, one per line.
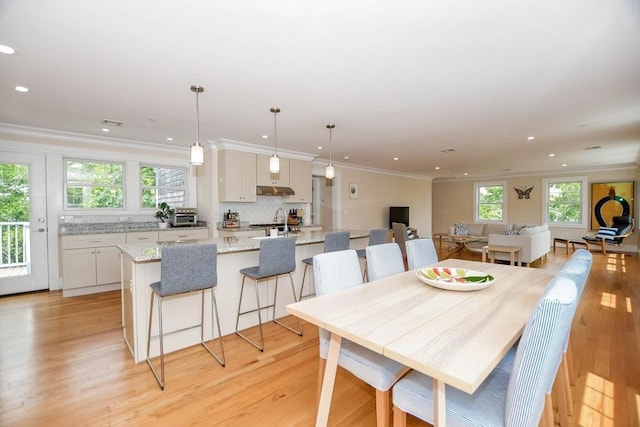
[
  {"x": 609, "y": 199},
  {"x": 353, "y": 190}
]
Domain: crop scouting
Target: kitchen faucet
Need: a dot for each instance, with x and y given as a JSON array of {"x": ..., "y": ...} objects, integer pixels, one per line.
[{"x": 284, "y": 220}]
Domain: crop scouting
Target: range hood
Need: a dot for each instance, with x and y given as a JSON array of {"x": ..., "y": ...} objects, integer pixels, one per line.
[{"x": 267, "y": 190}]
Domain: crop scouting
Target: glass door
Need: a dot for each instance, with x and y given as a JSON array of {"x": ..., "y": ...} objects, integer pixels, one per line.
[{"x": 23, "y": 227}]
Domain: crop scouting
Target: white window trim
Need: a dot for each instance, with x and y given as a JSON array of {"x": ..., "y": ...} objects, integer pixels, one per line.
[
  {"x": 584, "y": 202},
  {"x": 93, "y": 210},
  {"x": 476, "y": 187},
  {"x": 154, "y": 165}
]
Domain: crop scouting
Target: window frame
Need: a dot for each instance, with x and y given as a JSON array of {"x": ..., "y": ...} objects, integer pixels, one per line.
[
  {"x": 142, "y": 187},
  {"x": 584, "y": 202},
  {"x": 123, "y": 186},
  {"x": 476, "y": 203}
]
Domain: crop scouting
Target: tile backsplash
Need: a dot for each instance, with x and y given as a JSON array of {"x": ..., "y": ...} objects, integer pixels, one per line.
[{"x": 263, "y": 210}]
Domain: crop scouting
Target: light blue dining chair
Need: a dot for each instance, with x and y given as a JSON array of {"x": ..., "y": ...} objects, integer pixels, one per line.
[
  {"x": 420, "y": 253},
  {"x": 276, "y": 257},
  {"x": 335, "y": 241},
  {"x": 184, "y": 269},
  {"x": 518, "y": 398},
  {"x": 377, "y": 236},
  {"x": 384, "y": 260},
  {"x": 577, "y": 269},
  {"x": 335, "y": 271}
]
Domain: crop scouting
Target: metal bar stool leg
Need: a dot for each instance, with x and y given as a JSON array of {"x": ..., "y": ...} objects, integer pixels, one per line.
[
  {"x": 159, "y": 378},
  {"x": 258, "y": 309},
  {"x": 214, "y": 318},
  {"x": 304, "y": 274},
  {"x": 293, "y": 290}
]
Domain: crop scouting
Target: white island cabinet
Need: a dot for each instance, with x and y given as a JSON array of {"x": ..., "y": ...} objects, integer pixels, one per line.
[{"x": 141, "y": 267}]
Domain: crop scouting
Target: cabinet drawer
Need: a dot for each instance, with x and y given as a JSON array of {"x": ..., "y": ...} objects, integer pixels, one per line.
[
  {"x": 173, "y": 235},
  {"x": 142, "y": 237},
  {"x": 92, "y": 240}
]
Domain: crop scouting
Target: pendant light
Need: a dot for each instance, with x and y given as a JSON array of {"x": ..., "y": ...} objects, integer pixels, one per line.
[
  {"x": 274, "y": 161},
  {"x": 197, "y": 150},
  {"x": 330, "y": 171}
]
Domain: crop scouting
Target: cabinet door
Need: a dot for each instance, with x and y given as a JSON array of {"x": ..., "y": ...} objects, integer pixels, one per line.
[
  {"x": 79, "y": 267},
  {"x": 236, "y": 176},
  {"x": 300, "y": 177},
  {"x": 184, "y": 234},
  {"x": 142, "y": 237},
  {"x": 107, "y": 265},
  {"x": 264, "y": 177}
]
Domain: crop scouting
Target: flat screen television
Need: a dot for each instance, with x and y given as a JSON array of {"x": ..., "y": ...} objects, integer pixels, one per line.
[{"x": 399, "y": 214}]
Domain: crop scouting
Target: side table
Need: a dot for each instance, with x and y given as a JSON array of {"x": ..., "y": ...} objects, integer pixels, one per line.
[{"x": 492, "y": 249}]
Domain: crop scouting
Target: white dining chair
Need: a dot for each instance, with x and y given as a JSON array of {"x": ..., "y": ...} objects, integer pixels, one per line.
[
  {"x": 335, "y": 241},
  {"x": 517, "y": 398},
  {"x": 335, "y": 271},
  {"x": 420, "y": 253},
  {"x": 384, "y": 260}
]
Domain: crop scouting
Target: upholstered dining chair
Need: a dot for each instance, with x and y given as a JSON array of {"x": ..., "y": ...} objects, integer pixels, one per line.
[
  {"x": 377, "y": 236},
  {"x": 400, "y": 236},
  {"x": 384, "y": 260},
  {"x": 335, "y": 271},
  {"x": 187, "y": 268},
  {"x": 421, "y": 252},
  {"x": 517, "y": 398},
  {"x": 576, "y": 269},
  {"x": 335, "y": 241},
  {"x": 276, "y": 257},
  {"x": 621, "y": 227}
]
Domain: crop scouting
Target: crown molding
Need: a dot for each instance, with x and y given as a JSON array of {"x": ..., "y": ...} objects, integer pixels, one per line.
[{"x": 222, "y": 143}]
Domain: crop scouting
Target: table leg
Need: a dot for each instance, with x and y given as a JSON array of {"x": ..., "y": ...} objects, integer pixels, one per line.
[
  {"x": 329, "y": 380},
  {"x": 439, "y": 404}
]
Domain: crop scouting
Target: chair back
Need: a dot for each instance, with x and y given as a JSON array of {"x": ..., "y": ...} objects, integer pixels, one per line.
[
  {"x": 335, "y": 271},
  {"x": 378, "y": 236},
  {"x": 400, "y": 236},
  {"x": 539, "y": 353},
  {"x": 277, "y": 256},
  {"x": 421, "y": 252},
  {"x": 384, "y": 260},
  {"x": 337, "y": 241},
  {"x": 624, "y": 224},
  {"x": 186, "y": 268},
  {"x": 578, "y": 268}
]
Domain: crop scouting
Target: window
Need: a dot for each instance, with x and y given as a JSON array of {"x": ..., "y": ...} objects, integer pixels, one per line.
[
  {"x": 565, "y": 202},
  {"x": 93, "y": 185},
  {"x": 163, "y": 184},
  {"x": 490, "y": 204}
]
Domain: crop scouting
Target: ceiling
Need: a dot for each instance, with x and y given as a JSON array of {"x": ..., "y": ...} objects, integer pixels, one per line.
[{"x": 413, "y": 80}]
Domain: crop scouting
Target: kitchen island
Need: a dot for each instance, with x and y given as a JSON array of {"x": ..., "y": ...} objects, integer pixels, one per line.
[{"x": 140, "y": 266}]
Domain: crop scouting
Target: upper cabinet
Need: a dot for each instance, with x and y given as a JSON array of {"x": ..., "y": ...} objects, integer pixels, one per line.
[
  {"x": 237, "y": 176},
  {"x": 264, "y": 177},
  {"x": 300, "y": 180}
]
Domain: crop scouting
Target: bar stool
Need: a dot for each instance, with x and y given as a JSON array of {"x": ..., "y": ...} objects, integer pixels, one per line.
[
  {"x": 336, "y": 241},
  {"x": 277, "y": 256},
  {"x": 377, "y": 236},
  {"x": 185, "y": 269}
]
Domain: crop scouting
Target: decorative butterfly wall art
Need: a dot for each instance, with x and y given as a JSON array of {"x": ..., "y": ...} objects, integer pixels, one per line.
[{"x": 524, "y": 192}]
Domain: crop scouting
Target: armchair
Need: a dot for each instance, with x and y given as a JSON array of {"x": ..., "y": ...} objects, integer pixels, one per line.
[{"x": 622, "y": 227}]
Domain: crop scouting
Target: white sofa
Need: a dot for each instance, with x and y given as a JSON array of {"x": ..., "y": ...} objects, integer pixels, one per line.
[{"x": 534, "y": 241}]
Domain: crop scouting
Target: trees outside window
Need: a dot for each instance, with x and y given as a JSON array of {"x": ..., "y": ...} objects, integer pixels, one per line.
[
  {"x": 94, "y": 185},
  {"x": 565, "y": 202},
  {"x": 490, "y": 202},
  {"x": 163, "y": 184}
]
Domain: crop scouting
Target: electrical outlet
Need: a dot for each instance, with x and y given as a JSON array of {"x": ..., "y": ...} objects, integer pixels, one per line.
[{"x": 68, "y": 219}]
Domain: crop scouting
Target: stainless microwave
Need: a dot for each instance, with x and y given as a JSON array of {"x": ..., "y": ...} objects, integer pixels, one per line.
[{"x": 183, "y": 217}]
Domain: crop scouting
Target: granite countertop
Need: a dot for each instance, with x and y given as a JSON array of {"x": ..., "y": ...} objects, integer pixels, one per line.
[
  {"x": 153, "y": 251},
  {"x": 118, "y": 227}
]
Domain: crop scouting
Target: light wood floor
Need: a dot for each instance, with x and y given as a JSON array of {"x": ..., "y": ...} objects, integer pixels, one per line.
[{"x": 63, "y": 363}]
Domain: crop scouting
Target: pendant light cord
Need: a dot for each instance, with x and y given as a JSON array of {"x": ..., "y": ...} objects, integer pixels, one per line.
[{"x": 197, "y": 118}]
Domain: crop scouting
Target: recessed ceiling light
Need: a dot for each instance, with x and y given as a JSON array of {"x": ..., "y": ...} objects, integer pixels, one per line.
[
  {"x": 466, "y": 173},
  {"x": 564, "y": 165},
  {"x": 345, "y": 158},
  {"x": 169, "y": 139},
  {"x": 551, "y": 155},
  {"x": 22, "y": 89},
  {"x": 105, "y": 130},
  {"x": 395, "y": 158},
  {"x": 7, "y": 50},
  {"x": 437, "y": 168},
  {"x": 265, "y": 136},
  {"x": 531, "y": 138},
  {"x": 319, "y": 147}
]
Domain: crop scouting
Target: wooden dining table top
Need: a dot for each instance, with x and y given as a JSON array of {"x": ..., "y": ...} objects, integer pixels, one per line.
[{"x": 456, "y": 337}]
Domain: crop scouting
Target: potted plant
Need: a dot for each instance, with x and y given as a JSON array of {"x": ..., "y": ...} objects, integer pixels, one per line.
[{"x": 163, "y": 214}]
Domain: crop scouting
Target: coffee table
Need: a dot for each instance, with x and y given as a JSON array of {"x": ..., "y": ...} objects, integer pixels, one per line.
[{"x": 461, "y": 244}]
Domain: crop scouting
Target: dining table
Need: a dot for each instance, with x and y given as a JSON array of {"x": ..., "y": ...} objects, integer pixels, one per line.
[{"x": 457, "y": 337}]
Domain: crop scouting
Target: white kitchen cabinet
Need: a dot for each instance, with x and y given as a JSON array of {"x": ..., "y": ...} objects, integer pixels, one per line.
[
  {"x": 89, "y": 262},
  {"x": 142, "y": 237},
  {"x": 236, "y": 176},
  {"x": 183, "y": 234},
  {"x": 264, "y": 177},
  {"x": 300, "y": 179}
]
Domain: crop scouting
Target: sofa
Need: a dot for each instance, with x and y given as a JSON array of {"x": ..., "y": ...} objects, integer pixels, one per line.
[{"x": 534, "y": 241}]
